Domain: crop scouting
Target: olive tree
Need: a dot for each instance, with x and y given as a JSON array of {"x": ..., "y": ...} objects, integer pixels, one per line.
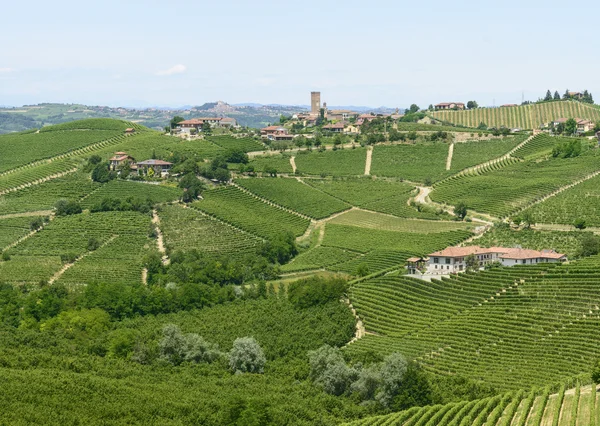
[{"x": 246, "y": 356}]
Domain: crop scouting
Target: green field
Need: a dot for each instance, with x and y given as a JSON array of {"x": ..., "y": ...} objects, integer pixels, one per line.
[
  {"x": 523, "y": 117},
  {"x": 11, "y": 229},
  {"x": 345, "y": 162},
  {"x": 246, "y": 212},
  {"x": 295, "y": 195},
  {"x": 580, "y": 202},
  {"x": 417, "y": 162},
  {"x": 469, "y": 154},
  {"x": 502, "y": 191},
  {"x": 123, "y": 190}
]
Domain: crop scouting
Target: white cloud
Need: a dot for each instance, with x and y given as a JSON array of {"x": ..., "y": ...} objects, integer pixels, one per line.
[
  {"x": 177, "y": 69},
  {"x": 6, "y": 70}
]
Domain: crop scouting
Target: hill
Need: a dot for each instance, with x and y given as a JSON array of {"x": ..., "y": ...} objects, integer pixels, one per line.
[
  {"x": 279, "y": 294},
  {"x": 522, "y": 117}
]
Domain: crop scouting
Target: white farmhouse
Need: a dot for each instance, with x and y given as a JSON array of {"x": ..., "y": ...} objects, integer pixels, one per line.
[{"x": 452, "y": 260}]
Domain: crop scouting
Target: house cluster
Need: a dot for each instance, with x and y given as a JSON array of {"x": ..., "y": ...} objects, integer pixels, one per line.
[
  {"x": 197, "y": 123},
  {"x": 158, "y": 167},
  {"x": 453, "y": 260},
  {"x": 583, "y": 125},
  {"x": 338, "y": 120},
  {"x": 449, "y": 105}
]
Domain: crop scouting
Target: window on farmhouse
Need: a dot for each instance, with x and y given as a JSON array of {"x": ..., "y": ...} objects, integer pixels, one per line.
[
  {"x": 436, "y": 260},
  {"x": 447, "y": 261}
]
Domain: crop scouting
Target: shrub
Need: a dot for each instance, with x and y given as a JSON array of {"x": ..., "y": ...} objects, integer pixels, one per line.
[
  {"x": 392, "y": 374},
  {"x": 329, "y": 370},
  {"x": 122, "y": 343},
  {"x": 316, "y": 291},
  {"x": 579, "y": 224},
  {"x": 173, "y": 345},
  {"x": 68, "y": 257},
  {"x": 246, "y": 356},
  {"x": 93, "y": 244},
  {"x": 5, "y": 256},
  {"x": 66, "y": 208},
  {"x": 36, "y": 223}
]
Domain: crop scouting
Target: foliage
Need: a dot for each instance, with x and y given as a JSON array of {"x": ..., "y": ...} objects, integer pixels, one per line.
[
  {"x": 192, "y": 187},
  {"x": 176, "y": 347},
  {"x": 460, "y": 210},
  {"x": 316, "y": 291},
  {"x": 102, "y": 174},
  {"x": 279, "y": 249},
  {"x": 568, "y": 149},
  {"x": 246, "y": 356},
  {"x": 66, "y": 208}
]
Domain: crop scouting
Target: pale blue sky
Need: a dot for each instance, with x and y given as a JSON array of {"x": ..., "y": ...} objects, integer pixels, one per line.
[{"x": 373, "y": 53}]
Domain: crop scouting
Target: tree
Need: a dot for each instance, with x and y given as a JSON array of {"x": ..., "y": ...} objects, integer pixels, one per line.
[
  {"x": 566, "y": 95},
  {"x": 101, "y": 173},
  {"x": 246, "y": 356},
  {"x": 67, "y": 207},
  {"x": 548, "y": 96},
  {"x": 413, "y": 109},
  {"x": 527, "y": 219},
  {"x": 206, "y": 128},
  {"x": 192, "y": 187},
  {"x": 556, "y": 96},
  {"x": 471, "y": 263},
  {"x": 430, "y": 107},
  {"x": 392, "y": 374},
  {"x": 172, "y": 346},
  {"x": 271, "y": 171},
  {"x": 460, "y": 210},
  {"x": 176, "y": 120},
  {"x": 329, "y": 370},
  {"x": 482, "y": 126},
  {"x": 570, "y": 126},
  {"x": 472, "y": 105},
  {"x": 579, "y": 224},
  {"x": 590, "y": 245}
]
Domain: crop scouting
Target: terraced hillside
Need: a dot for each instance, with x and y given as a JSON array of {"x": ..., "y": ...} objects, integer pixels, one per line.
[
  {"x": 523, "y": 117},
  {"x": 576, "y": 406},
  {"x": 513, "y": 328}
]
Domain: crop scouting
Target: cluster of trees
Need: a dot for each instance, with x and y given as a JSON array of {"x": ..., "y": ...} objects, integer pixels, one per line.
[
  {"x": 109, "y": 204},
  {"x": 316, "y": 291},
  {"x": 67, "y": 207},
  {"x": 585, "y": 97},
  {"x": 569, "y": 149},
  {"x": 394, "y": 383}
]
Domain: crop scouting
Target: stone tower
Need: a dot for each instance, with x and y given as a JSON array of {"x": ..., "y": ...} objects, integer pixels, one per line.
[{"x": 315, "y": 103}]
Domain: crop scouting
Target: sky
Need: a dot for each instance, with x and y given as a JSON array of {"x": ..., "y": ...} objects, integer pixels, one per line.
[{"x": 378, "y": 53}]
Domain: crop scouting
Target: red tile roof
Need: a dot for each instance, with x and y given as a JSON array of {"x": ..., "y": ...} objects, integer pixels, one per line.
[
  {"x": 154, "y": 163},
  {"x": 504, "y": 253}
]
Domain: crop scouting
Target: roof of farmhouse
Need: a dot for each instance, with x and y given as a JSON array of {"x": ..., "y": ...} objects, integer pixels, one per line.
[{"x": 504, "y": 252}]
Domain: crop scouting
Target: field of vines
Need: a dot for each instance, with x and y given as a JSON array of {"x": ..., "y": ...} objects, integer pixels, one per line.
[
  {"x": 377, "y": 195},
  {"x": 28, "y": 175},
  {"x": 470, "y": 154},
  {"x": 579, "y": 202},
  {"x": 367, "y": 239},
  {"x": 413, "y": 162},
  {"x": 343, "y": 162},
  {"x": 502, "y": 191},
  {"x": 523, "y": 117},
  {"x": 575, "y": 406},
  {"x": 376, "y": 221},
  {"x": 11, "y": 229},
  {"x": 21, "y": 149},
  {"x": 246, "y": 212},
  {"x": 320, "y": 258},
  {"x": 44, "y": 196},
  {"x": 188, "y": 229},
  {"x": 295, "y": 195},
  {"x": 280, "y": 162},
  {"x": 539, "y": 146},
  {"x": 560, "y": 241},
  {"x": 238, "y": 144},
  {"x": 421, "y": 127},
  {"x": 122, "y": 190},
  {"x": 512, "y": 328},
  {"x": 95, "y": 124}
]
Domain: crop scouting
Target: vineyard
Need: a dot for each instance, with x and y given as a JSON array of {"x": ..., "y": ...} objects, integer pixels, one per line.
[
  {"x": 513, "y": 328},
  {"x": 344, "y": 162},
  {"x": 123, "y": 190},
  {"x": 469, "y": 154},
  {"x": 188, "y": 229},
  {"x": 238, "y": 144},
  {"x": 579, "y": 202},
  {"x": 417, "y": 162},
  {"x": 244, "y": 211},
  {"x": 280, "y": 162},
  {"x": 295, "y": 195},
  {"x": 95, "y": 124},
  {"x": 504, "y": 190},
  {"x": 11, "y": 229},
  {"x": 522, "y": 117}
]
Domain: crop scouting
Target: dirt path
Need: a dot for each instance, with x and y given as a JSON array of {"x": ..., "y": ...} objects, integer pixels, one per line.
[
  {"x": 145, "y": 276},
  {"x": 31, "y": 234},
  {"x": 68, "y": 266},
  {"x": 558, "y": 227},
  {"x": 450, "y": 154},
  {"x": 293, "y": 163},
  {"x": 424, "y": 191},
  {"x": 369, "y": 160},
  {"x": 360, "y": 327},
  {"x": 159, "y": 238},
  {"x": 27, "y": 214}
]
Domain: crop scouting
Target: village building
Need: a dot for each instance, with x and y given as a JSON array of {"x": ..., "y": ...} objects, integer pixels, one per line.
[
  {"x": 341, "y": 114},
  {"x": 450, "y": 105},
  {"x": 334, "y": 127},
  {"x": 575, "y": 95},
  {"x": 415, "y": 265},
  {"x": 129, "y": 130},
  {"x": 265, "y": 132},
  {"x": 352, "y": 129},
  {"x": 159, "y": 167},
  {"x": 119, "y": 159},
  {"x": 197, "y": 123},
  {"x": 453, "y": 260},
  {"x": 584, "y": 126}
]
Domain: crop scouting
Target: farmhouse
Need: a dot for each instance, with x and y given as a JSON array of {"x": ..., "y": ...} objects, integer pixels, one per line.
[
  {"x": 276, "y": 133},
  {"x": 158, "y": 167},
  {"x": 450, "y": 105},
  {"x": 584, "y": 125},
  {"x": 334, "y": 128},
  {"x": 119, "y": 159},
  {"x": 454, "y": 259},
  {"x": 341, "y": 114},
  {"x": 197, "y": 123}
]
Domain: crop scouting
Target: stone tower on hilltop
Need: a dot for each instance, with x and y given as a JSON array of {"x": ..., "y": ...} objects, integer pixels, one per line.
[{"x": 315, "y": 103}]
